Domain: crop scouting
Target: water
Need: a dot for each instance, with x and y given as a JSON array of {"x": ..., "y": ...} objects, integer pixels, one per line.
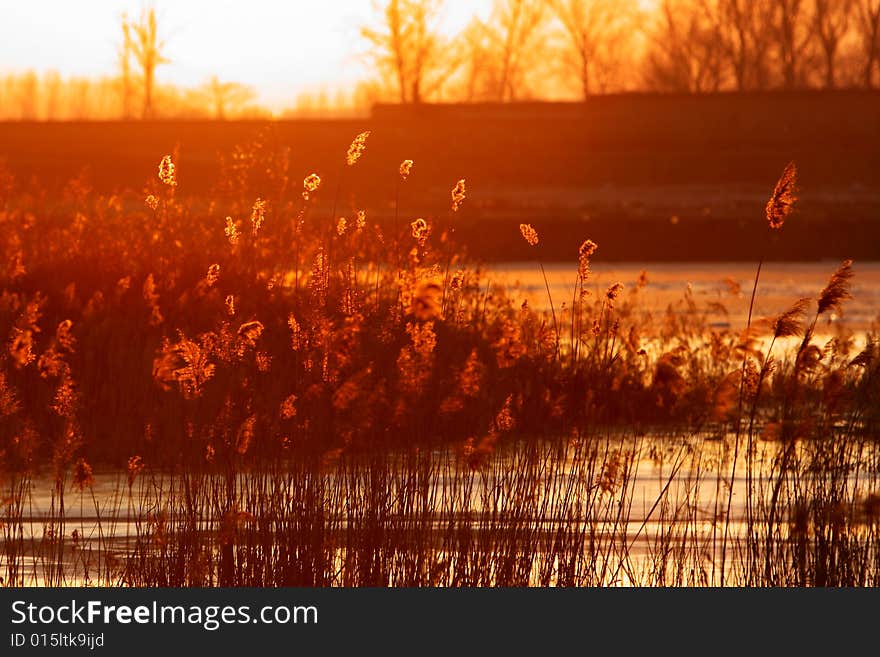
[
  {"x": 780, "y": 285},
  {"x": 677, "y": 488},
  {"x": 711, "y": 285}
]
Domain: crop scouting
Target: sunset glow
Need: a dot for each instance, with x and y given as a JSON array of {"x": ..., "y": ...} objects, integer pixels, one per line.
[
  {"x": 279, "y": 48},
  {"x": 439, "y": 293}
]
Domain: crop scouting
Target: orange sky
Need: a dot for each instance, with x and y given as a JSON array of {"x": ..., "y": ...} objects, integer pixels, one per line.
[{"x": 279, "y": 47}]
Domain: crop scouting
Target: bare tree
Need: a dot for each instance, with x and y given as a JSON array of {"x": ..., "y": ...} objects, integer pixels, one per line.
[
  {"x": 831, "y": 23},
  {"x": 513, "y": 34},
  {"x": 792, "y": 37},
  {"x": 743, "y": 29},
  {"x": 226, "y": 97},
  {"x": 593, "y": 31},
  {"x": 81, "y": 94},
  {"x": 52, "y": 84},
  {"x": 684, "y": 52},
  {"x": 125, "y": 74},
  {"x": 868, "y": 32},
  {"x": 473, "y": 49},
  {"x": 28, "y": 93},
  {"x": 408, "y": 51},
  {"x": 142, "y": 41}
]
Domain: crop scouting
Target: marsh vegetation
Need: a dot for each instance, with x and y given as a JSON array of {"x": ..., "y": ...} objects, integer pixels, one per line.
[{"x": 276, "y": 389}]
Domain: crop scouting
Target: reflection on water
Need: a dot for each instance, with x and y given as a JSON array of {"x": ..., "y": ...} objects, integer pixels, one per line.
[
  {"x": 626, "y": 513},
  {"x": 780, "y": 285},
  {"x": 626, "y": 507}
]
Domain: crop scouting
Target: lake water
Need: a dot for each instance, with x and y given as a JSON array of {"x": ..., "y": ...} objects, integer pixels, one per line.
[
  {"x": 780, "y": 285},
  {"x": 677, "y": 491}
]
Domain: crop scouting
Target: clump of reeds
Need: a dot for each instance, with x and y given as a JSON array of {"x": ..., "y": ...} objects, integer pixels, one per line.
[{"x": 266, "y": 393}]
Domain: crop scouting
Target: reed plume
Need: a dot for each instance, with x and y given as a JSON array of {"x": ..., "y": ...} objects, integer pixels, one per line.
[
  {"x": 586, "y": 251},
  {"x": 311, "y": 183},
  {"x": 778, "y": 208},
  {"x": 459, "y": 193},
  {"x": 783, "y": 199},
  {"x": 529, "y": 234},
  {"x": 790, "y": 323},
  {"x": 837, "y": 290},
  {"x": 357, "y": 148},
  {"x": 419, "y": 229},
  {"x": 612, "y": 293},
  {"x": 231, "y": 231},
  {"x": 166, "y": 172},
  {"x": 258, "y": 215},
  {"x": 83, "y": 477},
  {"x": 213, "y": 274}
]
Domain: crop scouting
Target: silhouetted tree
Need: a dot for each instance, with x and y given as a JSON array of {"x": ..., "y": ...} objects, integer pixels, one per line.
[
  {"x": 408, "y": 51},
  {"x": 594, "y": 31},
  {"x": 125, "y": 75},
  {"x": 831, "y": 23},
  {"x": 684, "y": 51},
  {"x": 791, "y": 39},
  {"x": 473, "y": 49},
  {"x": 226, "y": 97},
  {"x": 52, "y": 91},
  {"x": 27, "y": 96},
  {"x": 512, "y": 33},
  {"x": 744, "y": 31},
  {"x": 81, "y": 93},
  {"x": 143, "y": 42},
  {"x": 868, "y": 34}
]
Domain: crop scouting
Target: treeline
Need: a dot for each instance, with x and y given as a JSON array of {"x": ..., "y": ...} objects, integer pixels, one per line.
[
  {"x": 51, "y": 97},
  {"x": 132, "y": 93},
  {"x": 523, "y": 50},
  {"x": 532, "y": 49},
  {"x": 32, "y": 97}
]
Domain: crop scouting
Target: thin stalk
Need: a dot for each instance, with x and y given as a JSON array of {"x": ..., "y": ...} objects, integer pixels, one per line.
[
  {"x": 738, "y": 426},
  {"x": 552, "y": 309}
]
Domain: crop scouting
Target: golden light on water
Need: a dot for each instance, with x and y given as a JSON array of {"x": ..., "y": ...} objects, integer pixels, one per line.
[{"x": 567, "y": 343}]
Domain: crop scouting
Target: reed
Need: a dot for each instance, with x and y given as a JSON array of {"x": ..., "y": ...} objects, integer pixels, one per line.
[{"x": 255, "y": 391}]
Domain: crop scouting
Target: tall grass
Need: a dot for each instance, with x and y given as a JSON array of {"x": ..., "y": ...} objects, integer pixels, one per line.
[{"x": 256, "y": 391}]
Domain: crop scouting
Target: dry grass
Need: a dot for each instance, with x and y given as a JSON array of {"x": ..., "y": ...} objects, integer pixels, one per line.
[{"x": 292, "y": 393}]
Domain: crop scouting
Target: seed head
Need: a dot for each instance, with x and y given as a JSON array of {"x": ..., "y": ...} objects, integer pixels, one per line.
[
  {"x": 288, "y": 408},
  {"x": 82, "y": 475},
  {"x": 258, "y": 214},
  {"x": 231, "y": 231},
  {"x": 838, "y": 289},
  {"x": 458, "y": 195},
  {"x": 357, "y": 147},
  {"x": 135, "y": 467},
  {"x": 529, "y": 234},
  {"x": 311, "y": 184},
  {"x": 782, "y": 202},
  {"x": 166, "y": 172},
  {"x": 419, "y": 229},
  {"x": 586, "y": 252},
  {"x": 790, "y": 323},
  {"x": 213, "y": 274},
  {"x": 613, "y": 292}
]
